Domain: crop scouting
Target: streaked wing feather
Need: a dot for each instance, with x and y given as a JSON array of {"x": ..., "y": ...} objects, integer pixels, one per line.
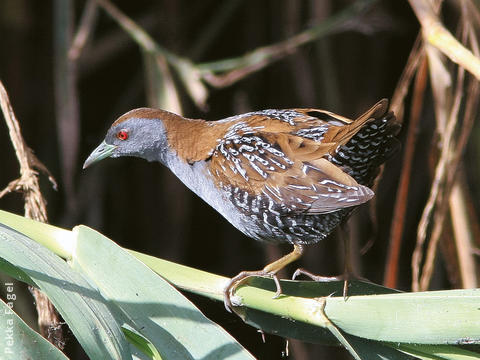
[
  {"x": 318, "y": 187},
  {"x": 286, "y": 163}
]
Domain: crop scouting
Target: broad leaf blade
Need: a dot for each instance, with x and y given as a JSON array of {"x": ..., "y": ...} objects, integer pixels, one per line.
[
  {"x": 433, "y": 317},
  {"x": 19, "y": 341},
  {"x": 81, "y": 305},
  {"x": 437, "y": 352},
  {"x": 56, "y": 239},
  {"x": 176, "y": 328}
]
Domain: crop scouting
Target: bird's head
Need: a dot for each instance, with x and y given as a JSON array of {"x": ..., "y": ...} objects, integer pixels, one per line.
[{"x": 140, "y": 133}]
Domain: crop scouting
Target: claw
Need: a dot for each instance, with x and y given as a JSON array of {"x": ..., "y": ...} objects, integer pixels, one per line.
[
  {"x": 279, "y": 287},
  {"x": 268, "y": 271},
  {"x": 229, "y": 290},
  {"x": 227, "y": 302},
  {"x": 297, "y": 273}
]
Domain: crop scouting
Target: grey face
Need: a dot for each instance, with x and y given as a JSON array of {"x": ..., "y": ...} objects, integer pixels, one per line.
[{"x": 144, "y": 138}]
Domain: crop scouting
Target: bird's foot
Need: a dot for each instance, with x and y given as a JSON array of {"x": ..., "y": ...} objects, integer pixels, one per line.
[
  {"x": 229, "y": 290},
  {"x": 347, "y": 276},
  {"x": 268, "y": 271}
]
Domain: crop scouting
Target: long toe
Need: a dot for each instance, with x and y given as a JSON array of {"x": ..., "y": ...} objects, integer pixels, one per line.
[
  {"x": 347, "y": 277},
  {"x": 227, "y": 302},
  {"x": 278, "y": 293},
  {"x": 229, "y": 290},
  {"x": 231, "y": 287},
  {"x": 315, "y": 277}
]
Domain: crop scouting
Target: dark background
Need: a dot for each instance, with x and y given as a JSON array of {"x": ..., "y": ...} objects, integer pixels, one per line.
[{"x": 141, "y": 205}]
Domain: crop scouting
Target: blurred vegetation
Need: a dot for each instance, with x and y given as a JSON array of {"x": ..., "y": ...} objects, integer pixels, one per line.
[{"x": 71, "y": 67}]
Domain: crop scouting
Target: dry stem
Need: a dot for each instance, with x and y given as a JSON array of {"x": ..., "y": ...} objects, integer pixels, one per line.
[
  {"x": 437, "y": 35},
  {"x": 35, "y": 208},
  {"x": 396, "y": 230}
]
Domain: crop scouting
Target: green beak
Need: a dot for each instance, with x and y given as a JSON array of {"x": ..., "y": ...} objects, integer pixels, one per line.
[{"x": 103, "y": 151}]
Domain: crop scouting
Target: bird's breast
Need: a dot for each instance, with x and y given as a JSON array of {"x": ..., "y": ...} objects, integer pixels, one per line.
[{"x": 198, "y": 179}]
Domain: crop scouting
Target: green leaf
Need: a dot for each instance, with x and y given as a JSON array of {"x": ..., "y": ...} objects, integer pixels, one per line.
[
  {"x": 152, "y": 306},
  {"x": 56, "y": 239},
  {"x": 311, "y": 311},
  {"x": 432, "y": 317},
  {"x": 19, "y": 341},
  {"x": 141, "y": 343},
  {"x": 375, "y": 350},
  {"x": 81, "y": 305},
  {"x": 437, "y": 352}
]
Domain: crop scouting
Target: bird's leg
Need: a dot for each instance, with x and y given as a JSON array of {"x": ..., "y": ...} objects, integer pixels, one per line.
[
  {"x": 347, "y": 275},
  {"x": 270, "y": 270}
]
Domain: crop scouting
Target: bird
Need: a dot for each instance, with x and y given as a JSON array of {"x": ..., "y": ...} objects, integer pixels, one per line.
[{"x": 277, "y": 175}]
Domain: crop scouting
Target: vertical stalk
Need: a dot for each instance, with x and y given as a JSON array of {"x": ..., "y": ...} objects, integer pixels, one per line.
[{"x": 66, "y": 104}]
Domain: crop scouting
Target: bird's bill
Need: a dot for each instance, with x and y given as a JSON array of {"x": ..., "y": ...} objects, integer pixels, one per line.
[{"x": 103, "y": 151}]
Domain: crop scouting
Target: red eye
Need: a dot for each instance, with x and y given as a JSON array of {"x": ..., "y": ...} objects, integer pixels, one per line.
[{"x": 122, "y": 135}]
